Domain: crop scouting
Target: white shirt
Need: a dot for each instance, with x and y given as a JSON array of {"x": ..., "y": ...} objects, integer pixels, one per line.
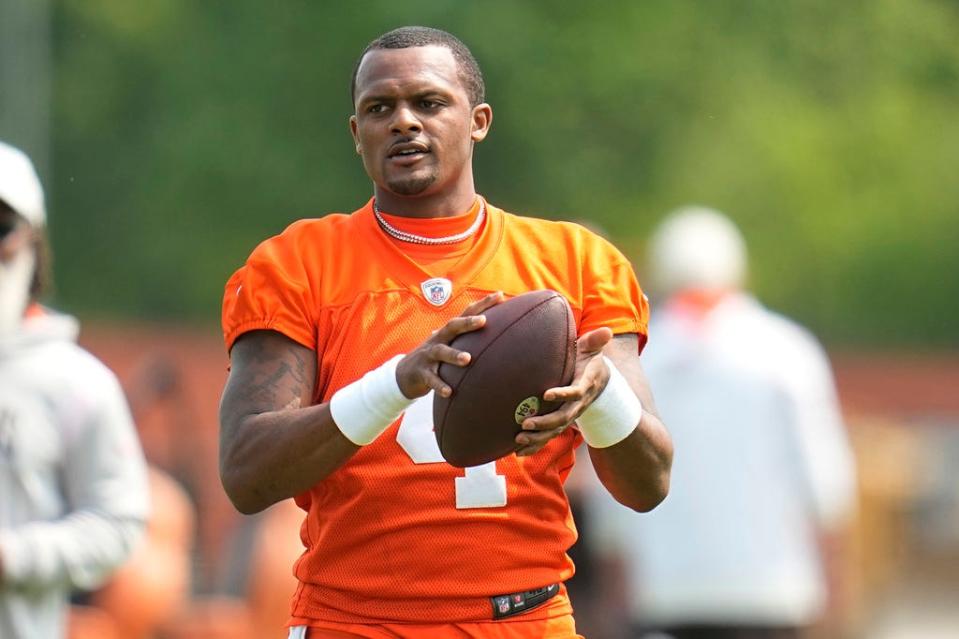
[
  {"x": 73, "y": 491},
  {"x": 761, "y": 463}
]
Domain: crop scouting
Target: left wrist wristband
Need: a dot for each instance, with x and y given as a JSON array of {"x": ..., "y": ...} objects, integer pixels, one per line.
[{"x": 614, "y": 414}]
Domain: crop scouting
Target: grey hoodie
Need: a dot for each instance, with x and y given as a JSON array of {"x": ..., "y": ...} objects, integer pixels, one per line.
[{"x": 73, "y": 486}]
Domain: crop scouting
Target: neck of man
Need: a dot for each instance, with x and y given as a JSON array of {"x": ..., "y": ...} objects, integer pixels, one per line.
[{"x": 432, "y": 205}]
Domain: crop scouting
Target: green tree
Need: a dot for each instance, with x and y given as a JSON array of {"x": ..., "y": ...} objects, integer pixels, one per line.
[{"x": 187, "y": 132}]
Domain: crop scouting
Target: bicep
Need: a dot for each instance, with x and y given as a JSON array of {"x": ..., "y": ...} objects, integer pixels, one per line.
[{"x": 268, "y": 372}]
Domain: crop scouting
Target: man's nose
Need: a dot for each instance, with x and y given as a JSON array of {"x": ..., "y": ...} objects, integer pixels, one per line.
[{"x": 405, "y": 120}]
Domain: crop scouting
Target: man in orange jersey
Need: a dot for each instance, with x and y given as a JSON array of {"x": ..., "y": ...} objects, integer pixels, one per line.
[{"x": 336, "y": 329}]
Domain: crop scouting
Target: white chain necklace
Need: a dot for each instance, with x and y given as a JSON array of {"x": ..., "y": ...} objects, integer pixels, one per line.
[{"x": 412, "y": 238}]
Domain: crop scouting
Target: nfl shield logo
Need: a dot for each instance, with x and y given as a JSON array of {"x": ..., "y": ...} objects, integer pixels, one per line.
[
  {"x": 502, "y": 604},
  {"x": 437, "y": 290}
]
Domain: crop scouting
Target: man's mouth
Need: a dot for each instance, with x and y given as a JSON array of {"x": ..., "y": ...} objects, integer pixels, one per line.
[{"x": 408, "y": 150}]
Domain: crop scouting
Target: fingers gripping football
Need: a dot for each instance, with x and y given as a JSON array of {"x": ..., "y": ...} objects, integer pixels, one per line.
[
  {"x": 589, "y": 380},
  {"x": 416, "y": 373}
]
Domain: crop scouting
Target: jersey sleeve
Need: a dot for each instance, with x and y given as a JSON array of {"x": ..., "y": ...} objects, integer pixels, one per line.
[
  {"x": 271, "y": 291},
  {"x": 612, "y": 296}
]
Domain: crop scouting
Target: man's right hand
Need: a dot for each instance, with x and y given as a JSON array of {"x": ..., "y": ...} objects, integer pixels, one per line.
[{"x": 417, "y": 373}]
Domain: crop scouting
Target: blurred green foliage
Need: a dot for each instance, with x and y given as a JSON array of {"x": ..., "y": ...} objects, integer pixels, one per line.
[{"x": 186, "y": 132}]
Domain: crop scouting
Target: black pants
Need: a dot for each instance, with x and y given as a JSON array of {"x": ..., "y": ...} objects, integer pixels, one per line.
[{"x": 719, "y": 632}]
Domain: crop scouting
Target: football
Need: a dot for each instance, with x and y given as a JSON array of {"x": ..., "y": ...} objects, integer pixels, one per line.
[{"x": 527, "y": 346}]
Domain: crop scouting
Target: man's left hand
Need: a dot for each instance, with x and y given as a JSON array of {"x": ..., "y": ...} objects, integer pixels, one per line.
[{"x": 589, "y": 380}]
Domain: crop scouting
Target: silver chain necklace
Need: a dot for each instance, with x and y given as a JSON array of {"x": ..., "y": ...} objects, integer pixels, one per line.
[{"x": 412, "y": 238}]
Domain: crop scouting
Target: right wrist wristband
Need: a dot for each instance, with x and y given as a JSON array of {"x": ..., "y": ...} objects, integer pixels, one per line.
[{"x": 364, "y": 409}]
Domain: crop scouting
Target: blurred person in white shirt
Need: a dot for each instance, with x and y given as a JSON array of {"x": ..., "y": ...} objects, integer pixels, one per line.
[
  {"x": 763, "y": 475},
  {"x": 73, "y": 489}
]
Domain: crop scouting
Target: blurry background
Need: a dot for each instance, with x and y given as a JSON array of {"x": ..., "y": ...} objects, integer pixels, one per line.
[{"x": 173, "y": 136}]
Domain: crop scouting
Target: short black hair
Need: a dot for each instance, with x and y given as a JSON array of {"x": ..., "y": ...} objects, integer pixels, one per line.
[{"x": 406, "y": 37}]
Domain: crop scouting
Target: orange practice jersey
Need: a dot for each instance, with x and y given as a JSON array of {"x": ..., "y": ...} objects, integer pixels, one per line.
[{"x": 397, "y": 534}]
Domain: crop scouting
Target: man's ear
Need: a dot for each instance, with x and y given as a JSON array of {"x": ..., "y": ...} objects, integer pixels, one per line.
[
  {"x": 356, "y": 140},
  {"x": 482, "y": 121}
]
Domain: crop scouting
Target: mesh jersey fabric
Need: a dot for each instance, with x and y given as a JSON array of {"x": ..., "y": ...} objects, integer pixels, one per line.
[{"x": 384, "y": 538}]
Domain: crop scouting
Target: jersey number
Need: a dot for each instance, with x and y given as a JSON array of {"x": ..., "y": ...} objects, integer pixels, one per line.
[{"x": 480, "y": 487}]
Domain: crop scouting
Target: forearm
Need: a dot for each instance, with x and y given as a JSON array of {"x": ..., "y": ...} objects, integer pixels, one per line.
[
  {"x": 275, "y": 455},
  {"x": 79, "y": 550},
  {"x": 274, "y": 442},
  {"x": 104, "y": 490},
  {"x": 636, "y": 470}
]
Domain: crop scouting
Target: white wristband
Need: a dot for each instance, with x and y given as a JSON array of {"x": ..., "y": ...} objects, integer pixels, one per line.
[
  {"x": 614, "y": 415},
  {"x": 364, "y": 409}
]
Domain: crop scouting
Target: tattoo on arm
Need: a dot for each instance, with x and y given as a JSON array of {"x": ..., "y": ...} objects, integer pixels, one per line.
[{"x": 269, "y": 372}]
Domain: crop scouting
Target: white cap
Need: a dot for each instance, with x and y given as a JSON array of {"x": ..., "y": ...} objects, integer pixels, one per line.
[
  {"x": 19, "y": 185},
  {"x": 696, "y": 248}
]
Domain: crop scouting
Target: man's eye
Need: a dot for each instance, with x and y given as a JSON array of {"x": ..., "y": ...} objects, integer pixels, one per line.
[
  {"x": 429, "y": 104},
  {"x": 376, "y": 108}
]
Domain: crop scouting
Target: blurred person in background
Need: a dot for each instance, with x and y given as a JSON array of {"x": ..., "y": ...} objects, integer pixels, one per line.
[
  {"x": 765, "y": 479},
  {"x": 73, "y": 485}
]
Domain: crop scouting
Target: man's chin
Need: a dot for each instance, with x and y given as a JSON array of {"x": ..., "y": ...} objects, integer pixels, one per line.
[{"x": 411, "y": 186}]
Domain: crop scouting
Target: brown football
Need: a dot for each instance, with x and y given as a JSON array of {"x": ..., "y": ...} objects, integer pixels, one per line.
[{"x": 527, "y": 346}]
